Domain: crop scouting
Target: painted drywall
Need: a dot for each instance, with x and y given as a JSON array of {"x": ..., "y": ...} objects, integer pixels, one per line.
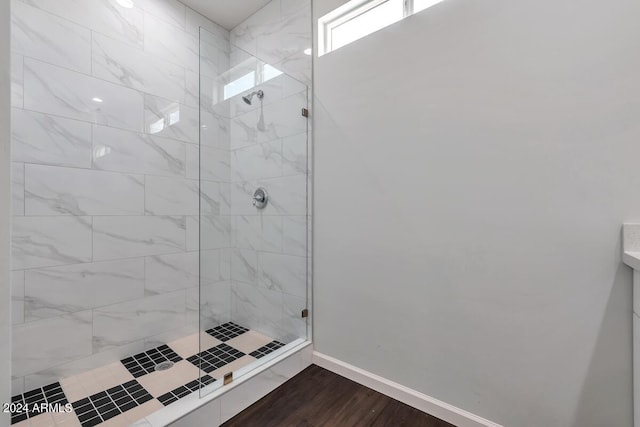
[
  {"x": 5, "y": 210},
  {"x": 473, "y": 166}
]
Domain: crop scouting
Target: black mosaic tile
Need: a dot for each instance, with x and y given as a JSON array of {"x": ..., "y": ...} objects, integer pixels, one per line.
[
  {"x": 266, "y": 349},
  {"x": 227, "y": 331},
  {"x": 145, "y": 363},
  {"x": 215, "y": 358},
  {"x": 35, "y": 402},
  {"x": 105, "y": 405},
  {"x": 182, "y": 391}
]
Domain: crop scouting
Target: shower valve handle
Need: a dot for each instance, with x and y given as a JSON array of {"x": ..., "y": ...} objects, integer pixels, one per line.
[{"x": 260, "y": 198}]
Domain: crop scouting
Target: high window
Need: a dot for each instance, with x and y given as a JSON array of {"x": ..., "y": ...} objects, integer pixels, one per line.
[{"x": 359, "y": 18}]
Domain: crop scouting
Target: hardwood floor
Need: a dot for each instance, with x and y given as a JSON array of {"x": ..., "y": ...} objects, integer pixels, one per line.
[{"x": 317, "y": 397}]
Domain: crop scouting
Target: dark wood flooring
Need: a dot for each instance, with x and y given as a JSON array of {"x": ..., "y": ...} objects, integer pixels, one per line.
[{"x": 317, "y": 397}]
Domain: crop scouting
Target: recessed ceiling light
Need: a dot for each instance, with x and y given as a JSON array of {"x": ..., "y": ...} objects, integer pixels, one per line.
[
  {"x": 98, "y": 100},
  {"x": 308, "y": 51},
  {"x": 125, "y": 3}
]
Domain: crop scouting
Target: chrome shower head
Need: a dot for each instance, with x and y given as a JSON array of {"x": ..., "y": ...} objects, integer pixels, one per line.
[{"x": 247, "y": 98}]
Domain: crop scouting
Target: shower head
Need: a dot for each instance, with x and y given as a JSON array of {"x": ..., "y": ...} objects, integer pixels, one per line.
[{"x": 247, "y": 98}]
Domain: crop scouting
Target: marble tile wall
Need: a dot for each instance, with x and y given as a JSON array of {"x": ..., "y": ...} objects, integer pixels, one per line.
[
  {"x": 105, "y": 182},
  {"x": 269, "y": 147}
]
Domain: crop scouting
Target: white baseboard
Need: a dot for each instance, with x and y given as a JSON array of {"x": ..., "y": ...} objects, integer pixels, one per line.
[{"x": 428, "y": 404}]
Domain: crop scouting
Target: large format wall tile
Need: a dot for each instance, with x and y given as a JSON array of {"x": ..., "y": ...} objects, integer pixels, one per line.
[
  {"x": 17, "y": 188},
  {"x": 65, "y": 338},
  {"x": 257, "y": 162},
  {"x": 17, "y": 297},
  {"x": 46, "y": 139},
  {"x": 58, "y": 91},
  {"x": 103, "y": 16},
  {"x": 170, "y": 11},
  {"x": 43, "y": 241},
  {"x": 123, "y": 151},
  {"x": 167, "y": 273},
  {"x": 294, "y": 230},
  {"x": 287, "y": 195},
  {"x": 258, "y": 308},
  {"x": 285, "y": 273},
  {"x": 244, "y": 266},
  {"x": 39, "y": 34},
  {"x": 208, "y": 232},
  {"x": 170, "y": 119},
  {"x": 131, "y": 236},
  {"x": 17, "y": 80},
  {"x": 51, "y": 292},
  {"x": 258, "y": 232},
  {"x": 170, "y": 196},
  {"x": 52, "y": 190},
  {"x": 165, "y": 42},
  {"x": 132, "y": 67},
  {"x": 120, "y": 324}
]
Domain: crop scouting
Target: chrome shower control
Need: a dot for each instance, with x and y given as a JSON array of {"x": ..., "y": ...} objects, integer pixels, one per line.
[{"x": 260, "y": 198}]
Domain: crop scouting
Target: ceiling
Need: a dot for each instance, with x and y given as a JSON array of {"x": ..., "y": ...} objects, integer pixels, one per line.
[{"x": 227, "y": 13}]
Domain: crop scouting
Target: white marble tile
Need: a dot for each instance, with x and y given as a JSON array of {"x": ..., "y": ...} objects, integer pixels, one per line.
[
  {"x": 214, "y": 304},
  {"x": 123, "y": 323},
  {"x": 170, "y": 196},
  {"x": 171, "y": 11},
  {"x": 117, "y": 237},
  {"x": 17, "y": 386},
  {"x": 285, "y": 273},
  {"x": 257, "y": 162},
  {"x": 41, "y": 35},
  {"x": 210, "y": 198},
  {"x": 287, "y": 195},
  {"x": 167, "y": 273},
  {"x": 66, "y": 338},
  {"x": 297, "y": 66},
  {"x": 172, "y": 335},
  {"x": 44, "y": 241},
  {"x": 213, "y": 34},
  {"x": 102, "y": 16},
  {"x": 294, "y": 230},
  {"x": 244, "y": 131},
  {"x": 208, "y": 232},
  {"x": 54, "y": 190},
  {"x": 17, "y": 297},
  {"x": 171, "y": 44},
  {"x": 272, "y": 90},
  {"x": 283, "y": 118},
  {"x": 244, "y": 266},
  {"x": 192, "y": 163},
  {"x": 241, "y": 198},
  {"x": 122, "y": 151},
  {"x": 210, "y": 269},
  {"x": 170, "y": 119},
  {"x": 55, "y": 90},
  {"x": 214, "y": 164},
  {"x": 130, "y": 66},
  {"x": 260, "y": 233},
  {"x": 51, "y": 292},
  {"x": 214, "y": 130},
  {"x": 17, "y": 80},
  {"x": 225, "y": 263},
  {"x": 225, "y": 198},
  {"x": 45, "y": 139},
  {"x": 295, "y": 31},
  {"x": 258, "y": 309},
  {"x": 17, "y": 189},
  {"x": 294, "y": 154}
]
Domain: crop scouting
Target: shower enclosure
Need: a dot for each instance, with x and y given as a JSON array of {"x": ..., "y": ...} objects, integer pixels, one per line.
[{"x": 253, "y": 210}]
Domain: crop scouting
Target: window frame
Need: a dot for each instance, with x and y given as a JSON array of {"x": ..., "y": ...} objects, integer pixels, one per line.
[{"x": 347, "y": 12}]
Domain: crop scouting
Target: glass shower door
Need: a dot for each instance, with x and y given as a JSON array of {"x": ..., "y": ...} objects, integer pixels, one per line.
[{"x": 253, "y": 223}]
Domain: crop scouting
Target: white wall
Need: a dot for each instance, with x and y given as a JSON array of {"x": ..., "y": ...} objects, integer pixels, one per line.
[
  {"x": 5, "y": 211},
  {"x": 474, "y": 164}
]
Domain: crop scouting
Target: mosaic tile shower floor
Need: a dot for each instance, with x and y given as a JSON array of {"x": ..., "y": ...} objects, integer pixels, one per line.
[{"x": 124, "y": 392}]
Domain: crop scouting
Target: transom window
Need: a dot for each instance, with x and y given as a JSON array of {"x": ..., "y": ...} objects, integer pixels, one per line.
[{"x": 359, "y": 18}]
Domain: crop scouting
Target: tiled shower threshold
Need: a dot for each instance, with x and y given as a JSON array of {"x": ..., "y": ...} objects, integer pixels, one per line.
[{"x": 126, "y": 392}]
